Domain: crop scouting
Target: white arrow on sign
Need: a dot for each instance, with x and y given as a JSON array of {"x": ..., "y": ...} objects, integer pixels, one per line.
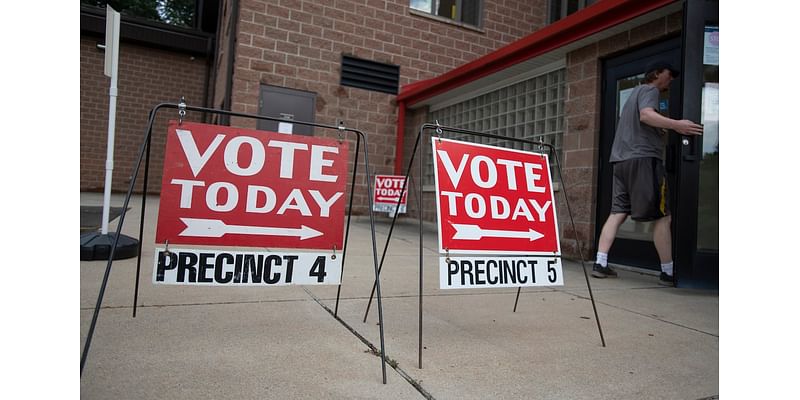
[
  {"x": 215, "y": 228},
  {"x": 475, "y": 232},
  {"x": 393, "y": 199}
]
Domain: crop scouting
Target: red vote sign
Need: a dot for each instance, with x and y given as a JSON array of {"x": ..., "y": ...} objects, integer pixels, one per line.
[
  {"x": 240, "y": 187},
  {"x": 386, "y": 192},
  {"x": 493, "y": 200}
]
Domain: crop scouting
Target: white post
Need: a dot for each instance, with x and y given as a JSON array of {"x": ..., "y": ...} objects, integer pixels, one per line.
[{"x": 110, "y": 69}]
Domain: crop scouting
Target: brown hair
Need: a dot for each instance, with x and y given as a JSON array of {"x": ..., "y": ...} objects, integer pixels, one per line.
[{"x": 651, "y": 76}]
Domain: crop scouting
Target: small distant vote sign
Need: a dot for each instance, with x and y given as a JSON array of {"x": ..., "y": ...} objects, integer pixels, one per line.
[
  {"x": 386, "y": 193},
  {"x": 496, "y": 217},
  {"x": 227, "y": 187}
]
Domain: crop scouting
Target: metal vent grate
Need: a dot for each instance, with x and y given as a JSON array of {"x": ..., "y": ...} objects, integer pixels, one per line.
[{"x": 370, "y": 75}]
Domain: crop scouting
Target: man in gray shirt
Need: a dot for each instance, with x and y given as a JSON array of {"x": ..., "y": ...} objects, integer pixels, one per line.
[{"x": 640, "y": 187}]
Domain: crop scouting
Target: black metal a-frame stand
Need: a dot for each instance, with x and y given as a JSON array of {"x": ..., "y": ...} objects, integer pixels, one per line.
[
  {"x": 439, "y": 130},
  {"x": 144, "y": 152}
]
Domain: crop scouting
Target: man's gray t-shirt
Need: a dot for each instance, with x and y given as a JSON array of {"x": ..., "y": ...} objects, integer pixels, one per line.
[{"x": 635, "y": 139}]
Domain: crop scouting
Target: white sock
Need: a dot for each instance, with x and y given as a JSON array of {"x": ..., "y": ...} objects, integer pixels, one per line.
[
  {"x": 602, "y": 259},
  {"x": 667, "y": 268}
]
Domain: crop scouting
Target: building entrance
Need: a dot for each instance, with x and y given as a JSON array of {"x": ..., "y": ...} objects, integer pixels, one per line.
[
  {"x": 634, "y": 243},
  {"x": 691, "y": 162}
]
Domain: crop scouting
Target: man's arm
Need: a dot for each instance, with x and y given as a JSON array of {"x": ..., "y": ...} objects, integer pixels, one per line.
[{"x": 684, "y": 126}]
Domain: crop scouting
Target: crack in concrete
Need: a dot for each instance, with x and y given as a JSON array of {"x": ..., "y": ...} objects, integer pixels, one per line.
[{"x": 374, "y": 350}]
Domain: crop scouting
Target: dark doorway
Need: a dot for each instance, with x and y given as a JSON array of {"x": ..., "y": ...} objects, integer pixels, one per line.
[
  {"x": 634, "y": 243},
  {"x": 692, "y": 163}
]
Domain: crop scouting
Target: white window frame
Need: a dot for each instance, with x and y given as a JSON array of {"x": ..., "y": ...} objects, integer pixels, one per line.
[
  {"x": 430, "y": 10},
  {"x": 564, "y": 9}
]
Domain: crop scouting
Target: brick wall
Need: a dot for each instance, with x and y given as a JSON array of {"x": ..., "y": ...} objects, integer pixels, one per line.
[
  {"x": 582, "y": 134},
  {"x": 298, "y": 44},
  {"x": 146, "y": 78}
]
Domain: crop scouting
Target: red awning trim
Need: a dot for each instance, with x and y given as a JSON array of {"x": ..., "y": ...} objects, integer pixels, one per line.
[{"x": 593, "y": 19}]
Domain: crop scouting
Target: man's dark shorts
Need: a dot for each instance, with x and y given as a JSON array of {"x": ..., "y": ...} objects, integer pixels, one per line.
[{"x": 640, "y": 189}]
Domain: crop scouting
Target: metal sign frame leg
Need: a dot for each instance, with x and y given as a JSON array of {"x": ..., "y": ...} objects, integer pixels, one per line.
[
  {"x": 347, "y": 229},
  {"x": 439, "y": 130},
  {"x": 95, "y": 315},
  {"x": 144, "y": 152},
  {"x": 580, "y": 252},
  {"x": 391, "y": 230},
  {"x": 389, "y": 238},
  {"x": 551, "y": 149},
  {"x": 141, "y": 221}
]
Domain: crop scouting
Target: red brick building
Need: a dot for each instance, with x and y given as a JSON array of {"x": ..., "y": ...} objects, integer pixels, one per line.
[{"x": 543, "y": 70}]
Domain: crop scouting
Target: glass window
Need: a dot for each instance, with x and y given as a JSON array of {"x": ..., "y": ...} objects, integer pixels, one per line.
[
  {"x": 562, "y": 8},
  {"x": 630, "y": 229},
  {"x": 532, "y": 109},
  {"x": 422, "y": 5},
  {"x": 708, "y": 202},
  {"x": 466, "y": 11}
]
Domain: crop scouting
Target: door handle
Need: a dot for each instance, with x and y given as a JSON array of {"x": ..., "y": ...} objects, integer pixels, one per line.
[{"x": 688, "y": 149}]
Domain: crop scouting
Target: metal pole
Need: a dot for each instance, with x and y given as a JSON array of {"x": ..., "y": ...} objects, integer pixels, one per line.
[
  {"x": 112, "y": 112},
  {"x": 375, "y": 257},
  {"x": 580, "y": 251},
  {"x": 394, "y": 219},
  {"x": 111, "y": 68},
  {"x": 347, "y": 230},
  {"x": 103, "y": 285},
  {"x": 421, "y": 207},
  {"x": 141, "y": 221}
]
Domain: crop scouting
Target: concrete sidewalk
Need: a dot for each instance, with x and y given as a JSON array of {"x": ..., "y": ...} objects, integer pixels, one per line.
[{"x": 190, "y": 342}]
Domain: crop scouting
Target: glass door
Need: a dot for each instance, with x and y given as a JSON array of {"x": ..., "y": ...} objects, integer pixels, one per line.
[
  {"x": 708, "y": 208},
  {"x": 630, "y": 229},
  {"x": 697, "y": 247},
  {"x": 692, "y": 162},
  {"x": 633, "y": 245}
]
